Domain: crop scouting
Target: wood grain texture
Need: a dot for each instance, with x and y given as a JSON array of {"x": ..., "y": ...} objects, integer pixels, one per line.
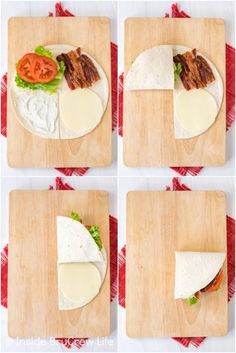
[
  {"x": 148, "y": 115},
  {"x": 32, "y": 280},
  {"x": 159, "y": 223},
  {"x": 28, "y": 150}
]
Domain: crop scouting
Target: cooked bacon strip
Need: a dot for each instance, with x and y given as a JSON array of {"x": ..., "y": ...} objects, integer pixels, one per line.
[
  {"x": 205, "y": 71},
  {"x": 196, "y": 73},
  {"x": 80, "y": 70}
]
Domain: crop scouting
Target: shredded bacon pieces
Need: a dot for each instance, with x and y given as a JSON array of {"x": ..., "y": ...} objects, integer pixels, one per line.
[
  {"x": 80, "y": 70},
  {"x": 196, "y": 73}
]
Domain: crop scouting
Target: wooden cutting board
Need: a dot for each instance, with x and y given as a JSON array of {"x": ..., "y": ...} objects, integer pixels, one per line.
[
  {"x": 32, "y": 272},
  {"x": 28, "y": 150},
  {"x": 159, "y": 223},
  {"x": 148, "y": 115}
]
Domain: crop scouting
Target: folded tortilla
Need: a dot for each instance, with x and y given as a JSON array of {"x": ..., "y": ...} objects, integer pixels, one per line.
[
  {"x": 195, "y": 270},
  {"x": 152, "y": 69},
  {"x": 76, "y": 245}
]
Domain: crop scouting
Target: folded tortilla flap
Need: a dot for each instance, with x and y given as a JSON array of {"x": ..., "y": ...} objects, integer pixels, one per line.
[
  {"x": 75, "y": 243},
  {"x": 152, "y": 69},
  {"x": 195, "y": 270}
]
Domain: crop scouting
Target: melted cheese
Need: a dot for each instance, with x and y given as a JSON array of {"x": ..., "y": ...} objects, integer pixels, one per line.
[
  {"x": 81, "y": 109},
  {"x": 196, "y": 109},
  {"x": 79, "y": 281}
]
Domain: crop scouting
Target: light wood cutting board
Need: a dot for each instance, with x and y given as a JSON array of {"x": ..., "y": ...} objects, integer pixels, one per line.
[
  {"x": 28, "y": 150},
  {"x": 159, "y": 223},
  {"x": 148, "y": 115},
  {"x": 32, "y": 272}
]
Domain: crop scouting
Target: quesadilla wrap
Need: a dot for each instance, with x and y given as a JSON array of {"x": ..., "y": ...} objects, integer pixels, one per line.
[
  {"x": 196, "y": 273},
  {"x": 195, "y": 81},
  {"x": 82, "y": 262}
]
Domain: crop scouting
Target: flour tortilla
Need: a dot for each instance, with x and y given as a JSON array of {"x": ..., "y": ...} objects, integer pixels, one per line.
[
  {"x": 75, "y": 244},
  {"x": 101, "y": 88},
  {"x": 216, "y": 89},
  {"x": 152, "y": 69},
  {"x": 195, "y": 270}
]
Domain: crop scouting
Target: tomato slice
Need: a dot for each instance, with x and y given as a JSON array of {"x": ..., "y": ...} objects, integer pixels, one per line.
[
  {"x": 23, "y": 67},
  {"x": 35, "y": 68},
  {"x": 43, "y": 69}
]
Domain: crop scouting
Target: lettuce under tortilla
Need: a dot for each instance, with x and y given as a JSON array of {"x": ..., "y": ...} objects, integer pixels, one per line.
[
  {"x": 192, "y": 300},
  {"x": 93, "y": 230},
  {"x": 177, "y": 70},
  {"x": 50, "y": 87},
  {"x": 76, "y": 217}
]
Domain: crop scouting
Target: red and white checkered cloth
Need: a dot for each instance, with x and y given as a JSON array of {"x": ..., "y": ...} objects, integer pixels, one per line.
[
  {"x": 186, "y": 341},
  {"x": 230, "y": 93},
  {"x": 72, "y": 342},
  {"x": 59, "y": 11}
]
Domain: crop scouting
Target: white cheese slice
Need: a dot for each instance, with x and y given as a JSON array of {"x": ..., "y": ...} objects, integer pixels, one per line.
[
  {"x": 86, "y": 104},
  {"x": 75, "y": 243},
  {"x": 79, "y": 281},
  {"x": 67, "y": 304},
  {"x": 195, "y": 110},
  {"x": 152, "y": 69}
]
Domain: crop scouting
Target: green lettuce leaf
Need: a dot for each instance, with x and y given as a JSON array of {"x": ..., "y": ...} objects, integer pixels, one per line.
[
  {"x": 192, "y": 300},
  {"x": 40, "y": 50},
  {"x": 95, "y": 232},
  {"x": 177, "y": 70},
  {"x": 50, "y": 87},
  {"x": 75, "y": 216}
]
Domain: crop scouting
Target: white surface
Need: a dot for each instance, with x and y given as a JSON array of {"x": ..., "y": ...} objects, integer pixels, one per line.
[
  {"x": 42, "y": 8},
  {"x": 8, "y": 184},
  {"x": 222, "y": 9},
  {"x": 211, "y": 344}
]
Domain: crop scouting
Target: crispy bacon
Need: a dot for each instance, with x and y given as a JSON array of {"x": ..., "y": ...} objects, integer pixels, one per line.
[
  {"x": 80, "y": 70},
  {"x": 196, "y": 73}
]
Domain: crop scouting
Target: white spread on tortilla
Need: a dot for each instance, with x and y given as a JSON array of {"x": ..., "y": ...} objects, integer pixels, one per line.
[
  {"x": 79, "y": 263},
  {"x": 152, "y": 69},
  {"x": 195, "y": 270}
]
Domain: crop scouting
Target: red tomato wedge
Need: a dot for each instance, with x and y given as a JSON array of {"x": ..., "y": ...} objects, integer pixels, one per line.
[{"x": 35, "y": 68}]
